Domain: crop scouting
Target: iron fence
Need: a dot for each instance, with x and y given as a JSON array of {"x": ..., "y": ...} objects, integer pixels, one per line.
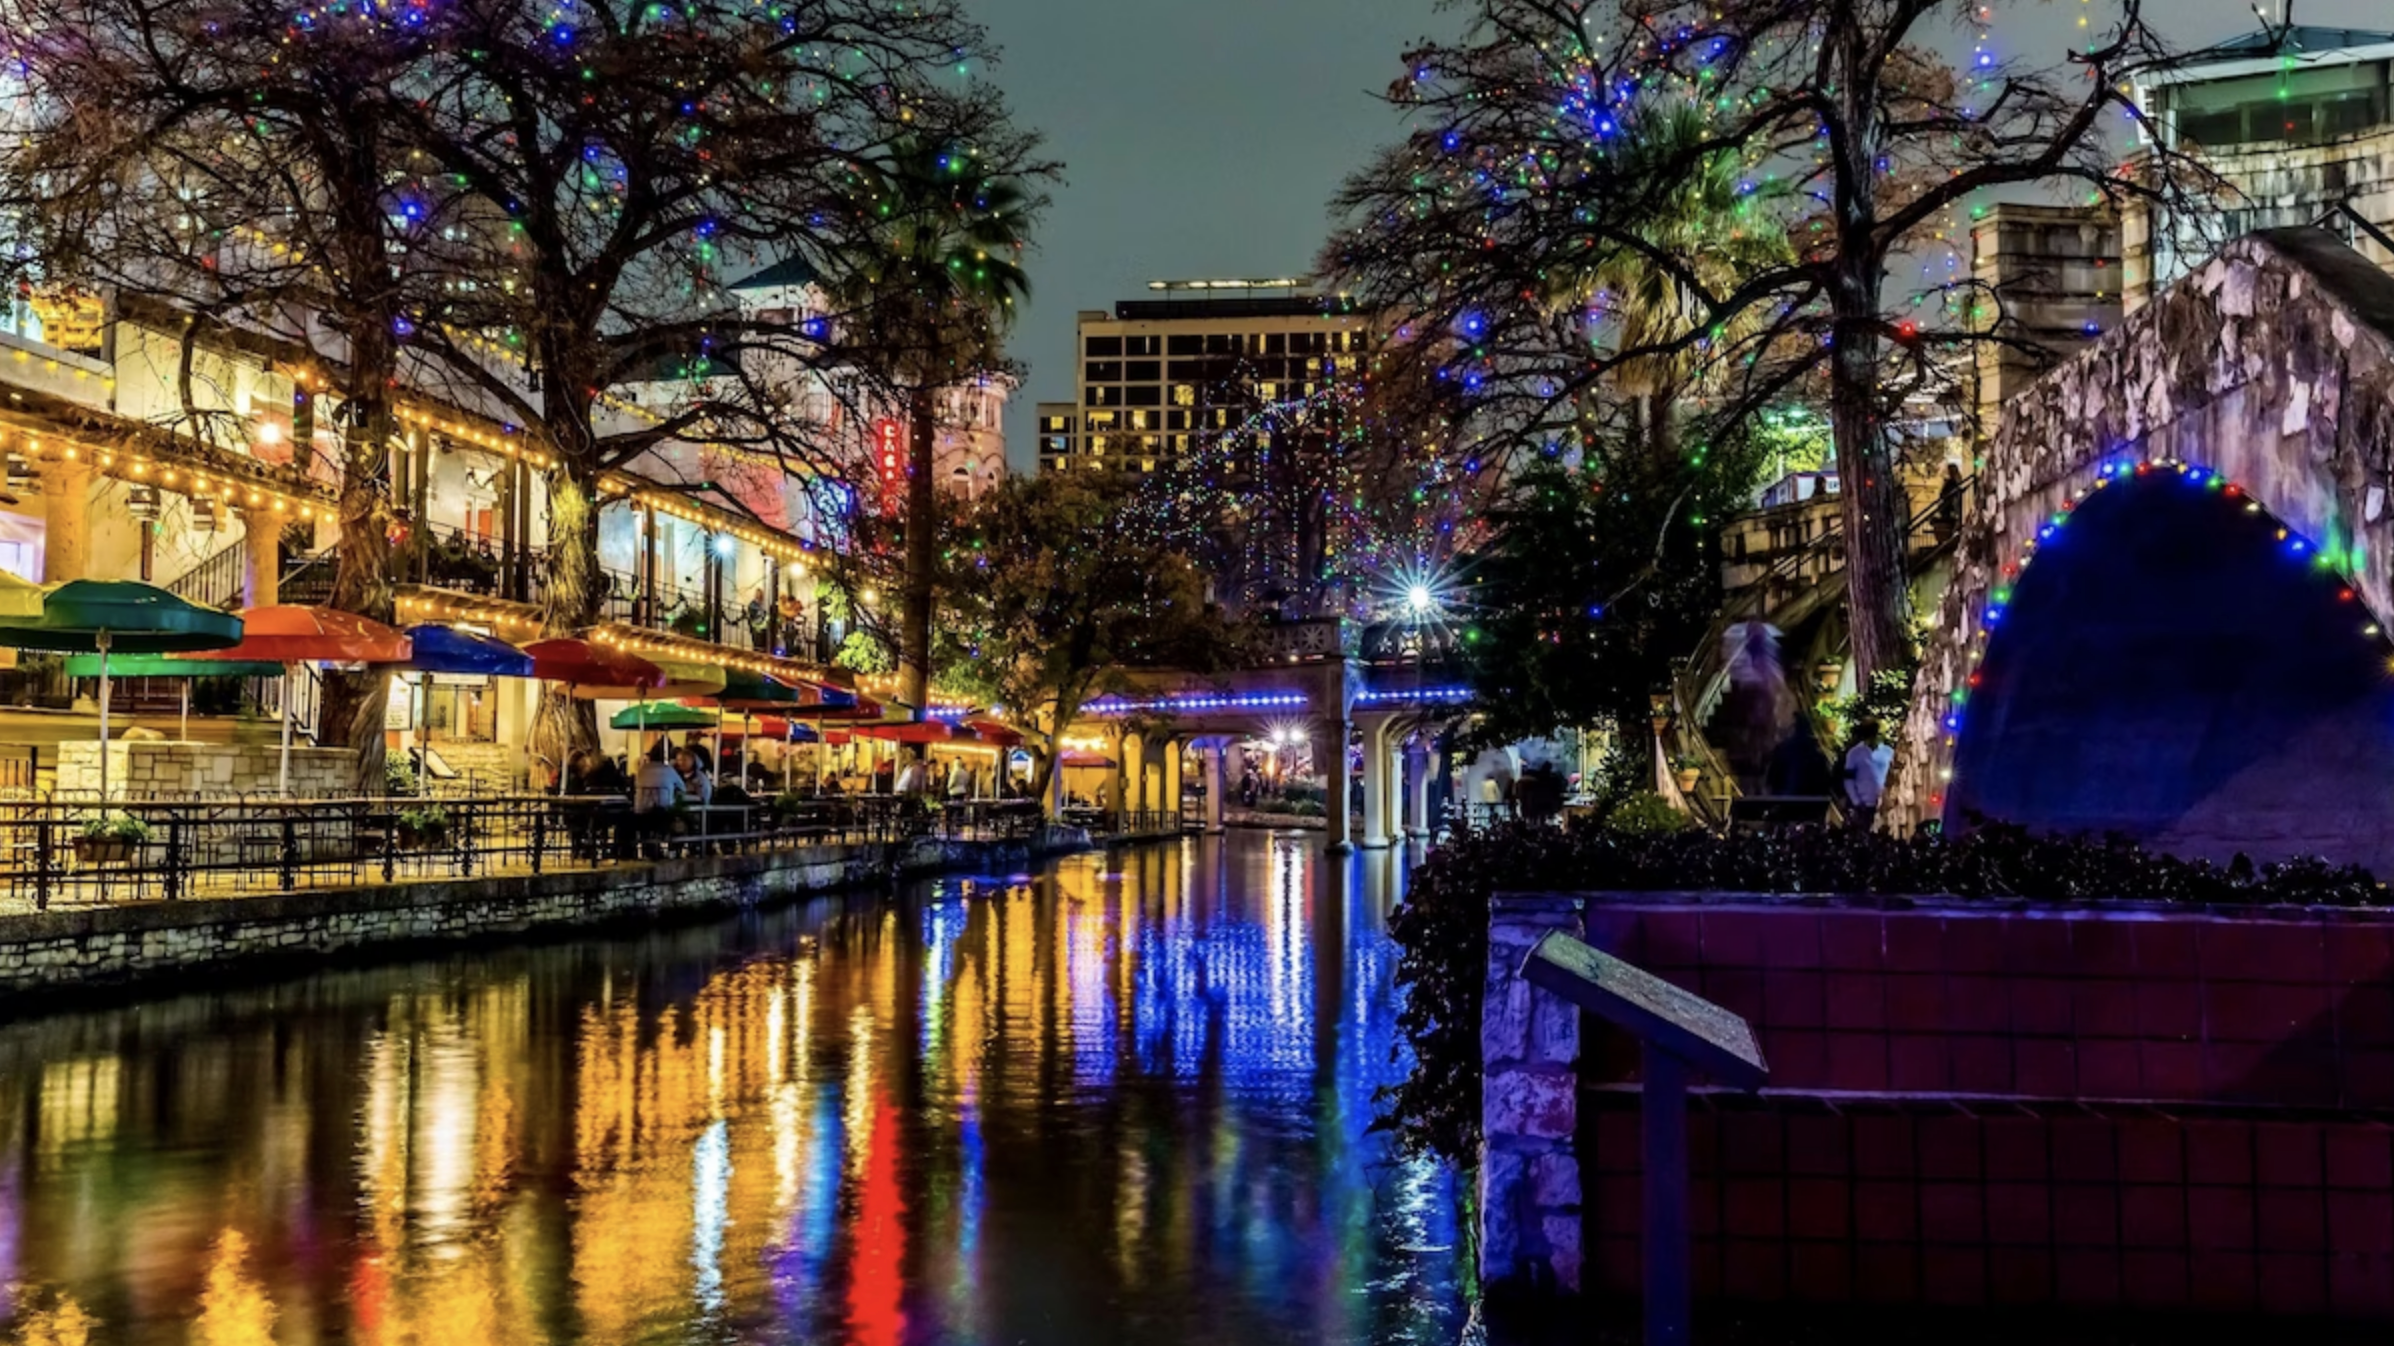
[{"x": 73, "y": 852}]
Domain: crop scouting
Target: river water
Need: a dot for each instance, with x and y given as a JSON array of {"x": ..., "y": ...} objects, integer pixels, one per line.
[{"x": 1123, "y": 1098}]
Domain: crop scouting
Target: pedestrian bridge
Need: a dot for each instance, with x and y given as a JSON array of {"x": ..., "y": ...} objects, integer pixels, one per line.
[
  {"x": 2167, "y": 612},
  {"x": 1334, "y": 689}
]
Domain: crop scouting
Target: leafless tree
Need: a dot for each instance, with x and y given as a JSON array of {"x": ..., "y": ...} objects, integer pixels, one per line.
[{"x": 1547, "y": 155}]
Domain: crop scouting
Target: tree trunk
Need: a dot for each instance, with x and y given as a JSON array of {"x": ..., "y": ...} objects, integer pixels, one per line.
[
  {"x": 563, "y": 725},
  {"x": 922, "y": 550},
  {"x": 1871, "y": 499},
  {"x": 352, "y": 709}
]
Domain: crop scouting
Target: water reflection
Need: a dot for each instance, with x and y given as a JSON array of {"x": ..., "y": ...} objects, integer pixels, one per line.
[{"x": 1126, "y": 1098}]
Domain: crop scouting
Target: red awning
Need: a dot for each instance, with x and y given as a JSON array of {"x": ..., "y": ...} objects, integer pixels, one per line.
[
  {"x": 1078, "y": 757},
  {"x": 920, "y": 731}
]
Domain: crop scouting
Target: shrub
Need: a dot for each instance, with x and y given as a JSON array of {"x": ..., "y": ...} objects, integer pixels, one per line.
[
  {"x": 123, "y": 827},
  {"x": 425, "y": 820},
  {"x": 1647, "y": 814},
  {"x": 1441, "y": 930},
  {"x": 398, "y": 774}
]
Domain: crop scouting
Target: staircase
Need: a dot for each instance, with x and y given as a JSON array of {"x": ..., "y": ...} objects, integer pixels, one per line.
[
  {"x": 216, "y": 581},
  {"x": 308, "y": 579},
  {"x": 307, "y": 698},
  {"x": 1801, "y": 587}
]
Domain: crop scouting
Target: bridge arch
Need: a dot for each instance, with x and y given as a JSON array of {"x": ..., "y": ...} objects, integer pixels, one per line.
[{"x": 2269, "y": 369}]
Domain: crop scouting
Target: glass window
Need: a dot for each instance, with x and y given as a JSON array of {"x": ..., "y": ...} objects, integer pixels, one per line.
[
  {"x": 1102, "y": 371},
  {"x": 1143, "y": 345},
  {"x": 1143, "y": 371},
  {"x": 1185, "y": 343},
  {"x": 1109, "y": 345},
  {"x": 1144, "y": 395}
]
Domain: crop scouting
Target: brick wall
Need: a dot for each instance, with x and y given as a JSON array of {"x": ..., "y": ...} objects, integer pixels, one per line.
[{"x": 2126, "y": 1106}]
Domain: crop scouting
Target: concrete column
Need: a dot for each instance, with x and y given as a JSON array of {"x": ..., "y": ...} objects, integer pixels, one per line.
[
  {"x": 1330, "y": 756},
  {"x": 1172, "y": 782},
  {"x": 1133, "y": 769},
  {"x": 66, "y": 521},
  {"x": 261, "y": 561},
  {"x": 1375, "y": 784},
  {"x": 1417, "y": 793},
  {"x": 1392, "y": 770},
  {"x": 1529, "y": 1203},
  {"x": 1214, "y": 773}
]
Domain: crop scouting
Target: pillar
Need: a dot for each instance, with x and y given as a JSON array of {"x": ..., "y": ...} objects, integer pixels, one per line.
[
  {"x": 1375, "y": 785},
  {"x": 1170, "y": 802},
  {"x": 66, "y": 521},
  {"x": 1330, "y": 755},
  {"x": 1392, "y": 775},
  {"x": 1133, "y": 774},
  {"x": 261, "y": 559},
  {"x": 1529, "y": 1204},
  {"x": 1417, "y": 792},
  {"x": 1213, "y": 755}
]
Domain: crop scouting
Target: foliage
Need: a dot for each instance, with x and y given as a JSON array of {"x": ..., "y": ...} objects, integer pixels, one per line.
[
  {"x": 398, "y": 775},
  {"x": 864, "y": 652},
  {"x": 1050, "y": 602},
  {"x": 1554, "y": 153},
  {"x": 425, "y": 820},
  {"x": 1646, "y": 814},
  {"x": 1442, "y": 928},
  {"x": 124, "y": 827},
  {"x": 1887, "y": 699},
  {"x": 1597, "y": 575}
]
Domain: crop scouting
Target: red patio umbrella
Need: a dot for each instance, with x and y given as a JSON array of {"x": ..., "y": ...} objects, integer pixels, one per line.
[
  {"x": 919, "y": 731},
  {"x": 579, "y": 664},
  {"x": 993, "y": 731},
  {"x": 292, "y": 634}
]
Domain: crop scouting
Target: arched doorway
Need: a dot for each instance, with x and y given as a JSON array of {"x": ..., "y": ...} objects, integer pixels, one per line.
[{"x": 2177, "y": 667}]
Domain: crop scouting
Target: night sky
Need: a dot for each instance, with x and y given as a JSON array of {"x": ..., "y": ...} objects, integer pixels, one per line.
[{"x": 1203, "y": 138}]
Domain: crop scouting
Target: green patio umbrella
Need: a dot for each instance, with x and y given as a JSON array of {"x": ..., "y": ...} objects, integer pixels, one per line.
[
  {"x": 19, "y": 597},
  {"x": 167, "y": 666},
  {"x": 662, "y": 715},
  {"x": 118, "y": 616}
]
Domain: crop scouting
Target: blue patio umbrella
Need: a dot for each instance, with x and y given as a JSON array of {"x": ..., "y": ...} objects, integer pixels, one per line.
[{"x": 446, "y": 649}]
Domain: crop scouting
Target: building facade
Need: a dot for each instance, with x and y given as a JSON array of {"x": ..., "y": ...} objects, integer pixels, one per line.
[
  {"x": 2298, "y": 121},
  {"x": 1163, "y": 380}
]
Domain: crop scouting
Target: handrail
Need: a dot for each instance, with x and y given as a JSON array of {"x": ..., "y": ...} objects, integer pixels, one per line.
[
  {"x": 216, "y": 581},
  {"x": 2345, "y": 208}
]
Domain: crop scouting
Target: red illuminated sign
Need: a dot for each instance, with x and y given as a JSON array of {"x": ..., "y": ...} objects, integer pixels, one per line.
[{"x": 889, "y": 460}]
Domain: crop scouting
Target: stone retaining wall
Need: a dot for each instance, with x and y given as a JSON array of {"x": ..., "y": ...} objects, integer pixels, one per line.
[
  {"x": 104, "y": 946},
  {"x": 167, "y": 769}
]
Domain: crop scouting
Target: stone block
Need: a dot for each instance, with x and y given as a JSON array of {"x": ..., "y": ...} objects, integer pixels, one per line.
[
  {"x": 1554, "y": 1181},
  {"x": 1526, "y": 1102}
]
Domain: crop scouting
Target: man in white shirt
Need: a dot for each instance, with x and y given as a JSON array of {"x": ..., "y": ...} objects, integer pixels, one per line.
[{"x": 1866, "y": 766}]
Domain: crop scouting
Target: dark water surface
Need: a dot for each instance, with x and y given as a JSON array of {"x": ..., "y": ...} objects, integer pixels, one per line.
[{"x": 1122, "y": 1099}]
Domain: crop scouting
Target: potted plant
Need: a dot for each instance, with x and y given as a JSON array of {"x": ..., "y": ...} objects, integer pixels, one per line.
[
  {"x": 1687, "y": 771},
  {"x": 423, "y": 827},
  {"x": 110, "y": 838}
]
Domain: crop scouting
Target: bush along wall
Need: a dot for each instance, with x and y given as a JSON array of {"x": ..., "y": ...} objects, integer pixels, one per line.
[{"x": 1442, "y": 927}]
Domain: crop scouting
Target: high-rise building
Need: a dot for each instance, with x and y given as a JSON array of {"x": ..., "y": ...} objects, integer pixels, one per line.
[{"x": 1164, "y": 378}]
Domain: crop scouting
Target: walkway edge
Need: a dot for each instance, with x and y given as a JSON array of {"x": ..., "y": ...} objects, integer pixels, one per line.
[{"x": 50, "y": 953}]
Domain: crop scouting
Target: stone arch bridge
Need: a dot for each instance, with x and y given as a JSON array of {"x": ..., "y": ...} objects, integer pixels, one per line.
[{"x": 2166, "y": 612}]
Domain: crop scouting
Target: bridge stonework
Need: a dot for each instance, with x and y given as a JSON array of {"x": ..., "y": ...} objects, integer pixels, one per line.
[{"x": 2272, "y": 364}]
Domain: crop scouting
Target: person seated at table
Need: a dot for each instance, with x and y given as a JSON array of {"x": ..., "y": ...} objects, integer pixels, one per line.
[
  {"x": 658, "y": 786},
  {"x": 592, "y": 773},
  {"x": 696, "y": 779}
]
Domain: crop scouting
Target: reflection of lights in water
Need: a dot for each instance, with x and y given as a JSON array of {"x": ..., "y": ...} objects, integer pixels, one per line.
[
  {"x": 875, "y": 1282},
  {"x": 78, "y": 1102},
  {"x": 710, "y": 1179},
  {"x": 441, "y": 1134},
  {"x": 233, "y": 1307}
]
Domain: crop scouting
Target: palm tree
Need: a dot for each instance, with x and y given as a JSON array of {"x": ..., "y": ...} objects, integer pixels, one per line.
[
  {"x": 929, "y": 296},
  {"x": 1718, "y": 220}
]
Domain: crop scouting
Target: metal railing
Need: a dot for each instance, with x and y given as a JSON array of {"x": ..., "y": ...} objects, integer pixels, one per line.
[
  {"x": 62, "y": 851},
  {"x": 1696, "y": 693},
  {"x": 216, "y": 581}
]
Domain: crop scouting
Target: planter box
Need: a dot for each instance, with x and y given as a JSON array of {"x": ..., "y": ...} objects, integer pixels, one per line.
[{"x": 104, "y": 850}]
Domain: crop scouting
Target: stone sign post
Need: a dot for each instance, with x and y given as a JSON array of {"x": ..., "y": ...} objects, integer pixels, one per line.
[{"x": 1678, "y": 1032}]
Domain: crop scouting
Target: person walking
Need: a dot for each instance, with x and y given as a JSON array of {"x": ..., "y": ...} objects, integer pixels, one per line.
[{"x": 1866, "y": 766}]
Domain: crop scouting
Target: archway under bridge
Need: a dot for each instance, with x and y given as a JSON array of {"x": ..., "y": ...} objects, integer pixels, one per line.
[
  {"x": 2179, "y": 667},
  {"x": 2270, "y": 369}
]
